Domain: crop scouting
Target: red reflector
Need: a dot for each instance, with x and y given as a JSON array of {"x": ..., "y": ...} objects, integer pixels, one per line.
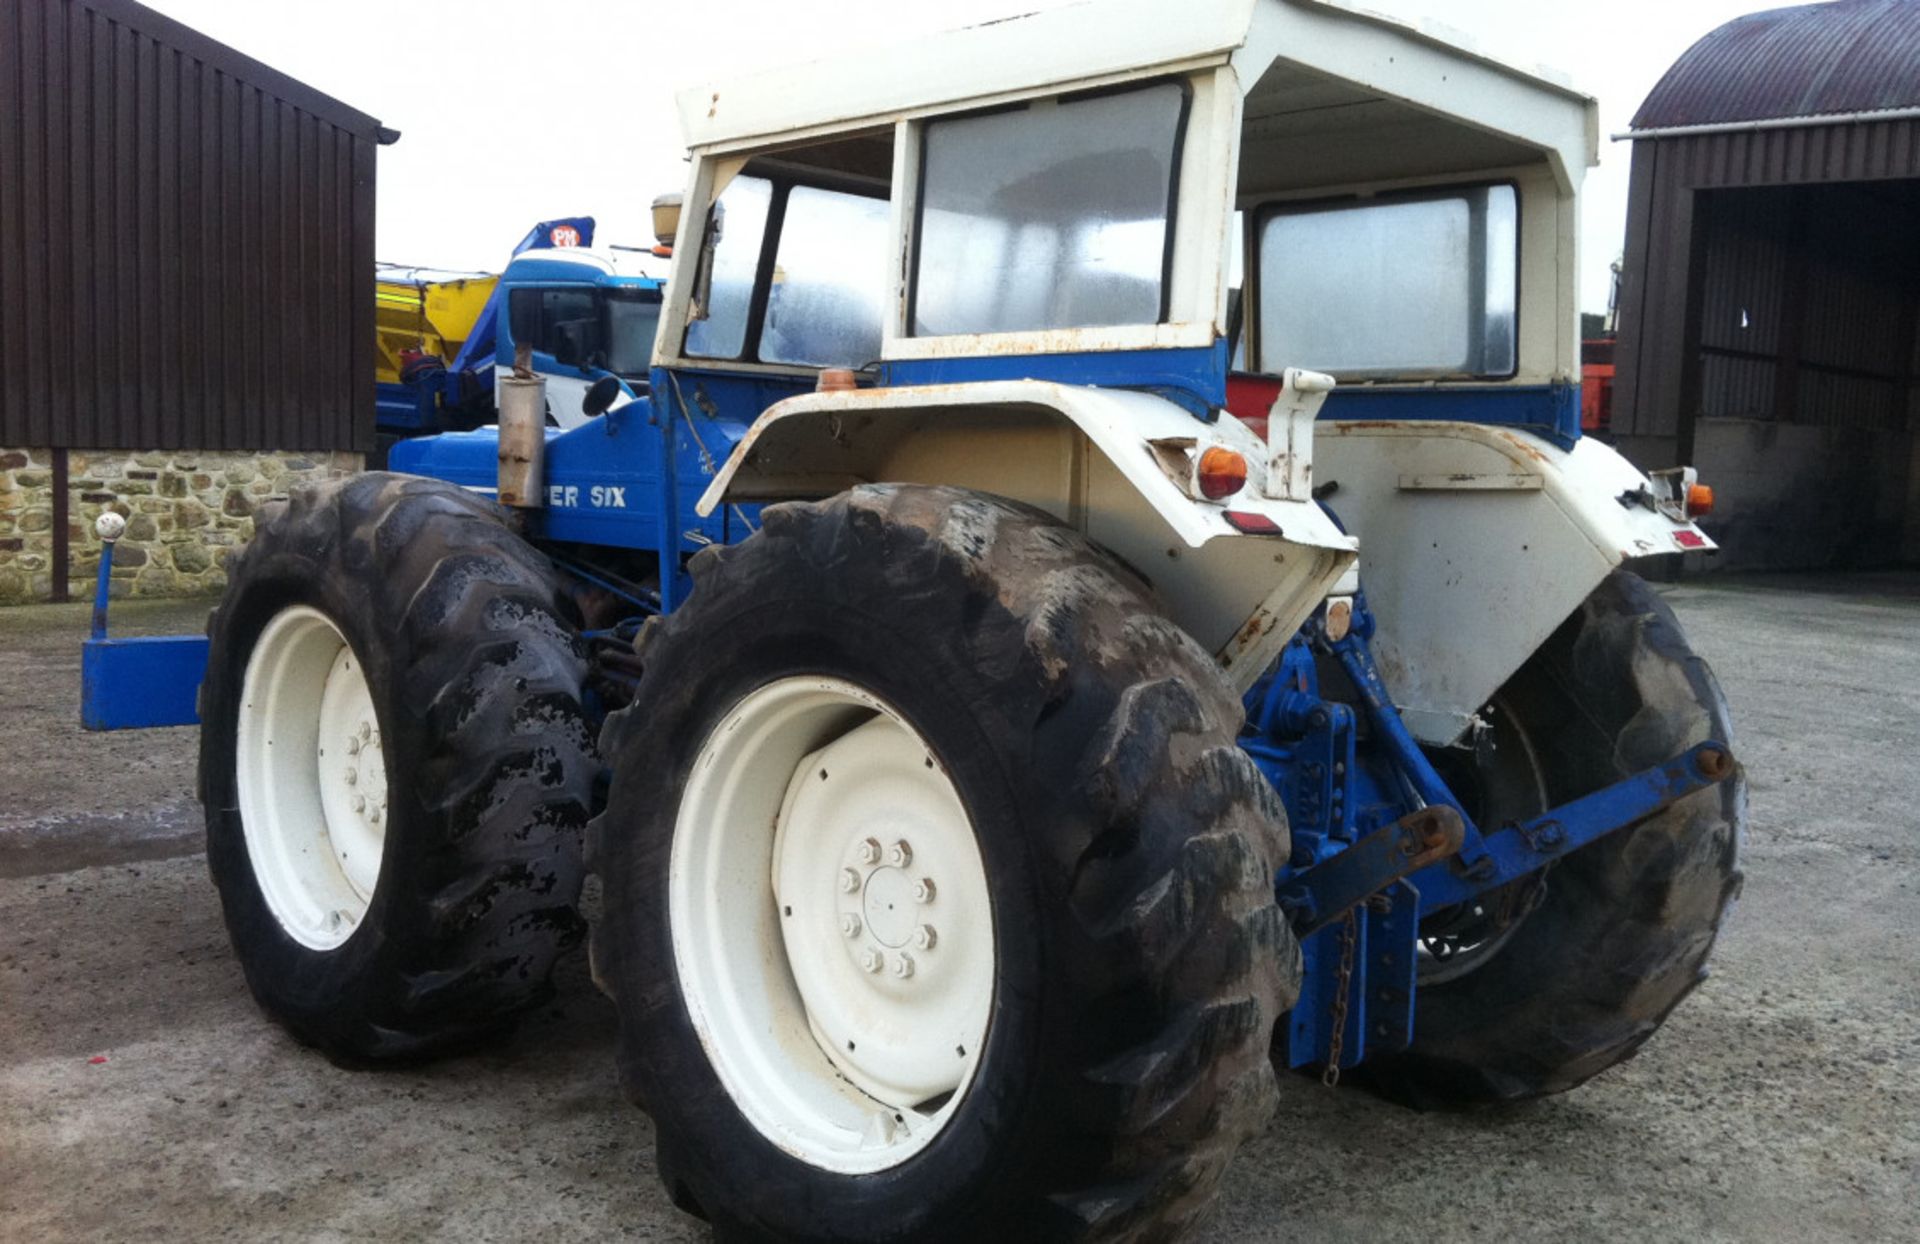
[
  {"x": 1689, "y": 539},
  {"x": 1253, "y": 524},
  {"x": 1222, "y": 473}
]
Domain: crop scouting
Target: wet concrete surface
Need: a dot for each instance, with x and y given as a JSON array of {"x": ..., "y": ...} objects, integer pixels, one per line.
[
  {"x": 1781, "y": 1101},
  {"x": 71, "y": 799}
]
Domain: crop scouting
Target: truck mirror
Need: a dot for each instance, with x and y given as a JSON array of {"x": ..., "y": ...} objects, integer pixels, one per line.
[{"x": 601, "y": 396}]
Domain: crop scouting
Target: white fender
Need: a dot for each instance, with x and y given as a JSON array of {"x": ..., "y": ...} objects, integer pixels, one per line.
[
  {"x": 1241, "y": 595},
  {"x": 1477, "y": 542}
]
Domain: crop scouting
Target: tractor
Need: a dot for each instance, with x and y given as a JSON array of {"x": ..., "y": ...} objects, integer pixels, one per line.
[{"x": 1100, "y": 602}]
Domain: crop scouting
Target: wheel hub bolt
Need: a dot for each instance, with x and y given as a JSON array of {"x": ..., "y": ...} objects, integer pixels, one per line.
[
  {"x": 900, "y": 854},
  {"x": 849, "y": 880},
  {"x": 353, "y": 777},
  {"x": 353, "y": 746},
  {"x": 366, "y": 731},
  {"x": 923, "y": 890},
  {"x": 359, "y": 803},
  {"x": 850, "y": 925},
  {"x": 374, "y": 816},
  {"x": 870, "y": 960},
  {"x": 924, "y": 937},
  {"x": 903, "y": 966},
  {"x": 870, "y": 851}
]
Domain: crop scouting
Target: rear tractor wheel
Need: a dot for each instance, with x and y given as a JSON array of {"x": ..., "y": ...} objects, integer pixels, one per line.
[
  {"x": 1546, "y": 982},
  {"x": 395, "y": 767},
  {"x": 938, "y": 896}
]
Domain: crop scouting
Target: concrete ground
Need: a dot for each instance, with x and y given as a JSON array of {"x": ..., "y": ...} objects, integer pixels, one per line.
[{"x": 143, "y": 1096}]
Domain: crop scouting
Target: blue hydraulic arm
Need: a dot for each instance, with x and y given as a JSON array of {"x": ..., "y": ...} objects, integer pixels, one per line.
[{"x": 1380, "y": 841}]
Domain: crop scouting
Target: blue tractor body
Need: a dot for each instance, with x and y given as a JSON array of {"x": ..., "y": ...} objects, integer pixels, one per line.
[
  {"x": 1370, "y": 855},
  {"x": 1380, "y": 839}
]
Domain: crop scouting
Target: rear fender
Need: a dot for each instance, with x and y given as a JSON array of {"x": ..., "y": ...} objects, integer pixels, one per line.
[
  {"x": 1477, "y": 542},
  {"x": 1098, "y": 459}
]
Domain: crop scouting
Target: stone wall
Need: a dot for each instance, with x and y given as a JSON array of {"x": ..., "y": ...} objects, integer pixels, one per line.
[{"x": 186, "y": 513}]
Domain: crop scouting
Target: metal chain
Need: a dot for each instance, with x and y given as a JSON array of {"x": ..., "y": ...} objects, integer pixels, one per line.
[{"x": 1343, "y": 984}]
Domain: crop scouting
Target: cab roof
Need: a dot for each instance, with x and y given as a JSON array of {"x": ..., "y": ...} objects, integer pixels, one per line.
[{"x": 1314, "y": 50}]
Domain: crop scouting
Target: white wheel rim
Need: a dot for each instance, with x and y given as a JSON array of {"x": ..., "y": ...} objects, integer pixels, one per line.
[
  {"x": 832, "y": 927},
  {"x": 311, "y": 778}
]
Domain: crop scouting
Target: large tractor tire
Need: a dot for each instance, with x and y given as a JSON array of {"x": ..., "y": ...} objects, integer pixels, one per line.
[
  {"x": 1548, "y": 982},
  {"x": 938, "y": 898},
  {"x": 395, "y": 767}
]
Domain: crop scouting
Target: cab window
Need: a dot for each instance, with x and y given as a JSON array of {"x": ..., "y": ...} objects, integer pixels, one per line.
[
  {"x": 825, "y": 298},
  {"x": 1054, "y": 214},
  {"x": 735, "y": 230},
  {"x": 794, "y": 266},
  {"x": 1408, "y": 287},
  {"x": 564, "y": 323}
]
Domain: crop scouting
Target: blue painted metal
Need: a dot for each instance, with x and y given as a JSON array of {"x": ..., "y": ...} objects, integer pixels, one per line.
[
  {"x": 1396, "y": 741},
  {"x": 1516, "y": 850},
  {"x": 1550, "y": 411},
  {"x": 131, "y": 684},
  {"x": 606, "y": 482},
  {"x": 1194, "y": 377},
  {"x": 1315, "y": 895},
  {"x": 102, "y": 590},
  {"x": 402, "y": 407},
  {"x": 1346, "y": 797},
  {"x": 1380, "y": 989},
  {"x": 150, "y": 680}
]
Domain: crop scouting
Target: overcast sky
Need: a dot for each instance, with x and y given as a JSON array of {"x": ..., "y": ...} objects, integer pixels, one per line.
[{"x": 516, "y": 112}]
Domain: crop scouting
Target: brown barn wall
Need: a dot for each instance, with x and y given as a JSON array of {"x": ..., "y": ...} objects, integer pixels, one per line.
[
  {"x": 186, "y": 242},
  {"x": 1660, "y": 263}
]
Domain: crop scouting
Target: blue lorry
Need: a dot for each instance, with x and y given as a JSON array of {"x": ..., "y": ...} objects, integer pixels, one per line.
[{"x": 584, "y": 312}]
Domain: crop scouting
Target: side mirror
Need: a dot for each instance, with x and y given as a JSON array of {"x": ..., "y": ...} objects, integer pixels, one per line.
[{"x": 601, "y": 396}]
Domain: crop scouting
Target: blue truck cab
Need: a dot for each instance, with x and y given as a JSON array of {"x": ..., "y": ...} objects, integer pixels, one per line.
[{"x": 585, "y": 313}]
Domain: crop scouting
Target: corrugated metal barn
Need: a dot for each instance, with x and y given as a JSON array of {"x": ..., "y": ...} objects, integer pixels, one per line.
[
  {"x": 1769, "y": 313},
  {"x": 186, "y": 283}
]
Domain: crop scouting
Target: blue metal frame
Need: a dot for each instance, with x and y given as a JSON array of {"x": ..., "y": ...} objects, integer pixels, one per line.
[
  {"x": 1193, "y": 377},
  {"x": 1376, "y": 832},
  {"x": 131, "y": 684},
  {"x": 1551, "y": 411}
]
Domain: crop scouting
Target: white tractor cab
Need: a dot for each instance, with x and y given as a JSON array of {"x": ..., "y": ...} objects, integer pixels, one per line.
[
  {"x": 1024, "y": 234},
  {"x": 586, "y": 314}
]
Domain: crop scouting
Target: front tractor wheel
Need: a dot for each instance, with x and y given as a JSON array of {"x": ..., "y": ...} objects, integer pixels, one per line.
[
  {"x": 938, "y": 896},
  {"x": 395, "y": 767}
]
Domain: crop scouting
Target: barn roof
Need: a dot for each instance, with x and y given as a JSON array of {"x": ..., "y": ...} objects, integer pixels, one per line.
[{"x": 1810, "y": 60}]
